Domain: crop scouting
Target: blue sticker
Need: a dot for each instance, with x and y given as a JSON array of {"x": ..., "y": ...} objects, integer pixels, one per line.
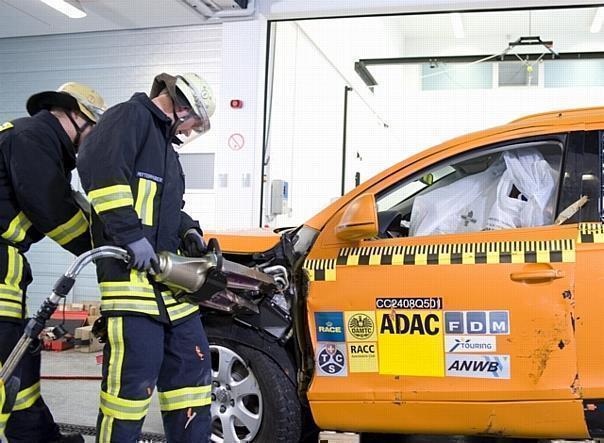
[
  {"x": 454, "y": 323},
  {"x": 330, "y": 326},
  {"x": 476, "y": 322},
  {"x": 499, "y": 322}
]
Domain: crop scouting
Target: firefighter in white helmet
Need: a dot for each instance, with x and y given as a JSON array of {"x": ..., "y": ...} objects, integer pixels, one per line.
[
  {"x": 134, "y": 180},
  {"x": 38, "y": 154}
]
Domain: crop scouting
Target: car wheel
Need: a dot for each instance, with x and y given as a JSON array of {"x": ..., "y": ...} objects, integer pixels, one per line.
[{"x": 252, "y": 399}]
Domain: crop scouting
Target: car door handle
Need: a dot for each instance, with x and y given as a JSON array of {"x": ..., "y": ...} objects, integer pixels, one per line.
[{"x": 543, "y": 274}]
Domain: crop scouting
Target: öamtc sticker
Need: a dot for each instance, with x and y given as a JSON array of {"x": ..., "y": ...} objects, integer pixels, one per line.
[{"x": 360, "y": 326}]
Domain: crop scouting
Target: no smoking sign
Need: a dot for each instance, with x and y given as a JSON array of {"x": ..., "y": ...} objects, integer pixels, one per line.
[{"x": 236, "y": 141}]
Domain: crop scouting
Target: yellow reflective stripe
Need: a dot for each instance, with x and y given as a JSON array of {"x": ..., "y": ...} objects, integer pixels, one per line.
[
  {"x": 124, "y": 409},
  {"x": 115, "y": 335},
  {"x": 10, "y": 293},
  {"x": 111, "y": 197},
  {"x": 144, "y": 200},
  {"x": 5, "y": 126},
  {"x": 142, "y": 306},
  {"x": 106, "y": 429},
  {"x": 73, "y": 228},
  {"x": 3, "y": 419},
  {"x": 177, "y": 310},
  {"x": 127, "y": 291},
  {"x": 185, "y": 398},
  {"x": 27, "y": 397},
  {"x": 14, "y": 269},
  {"x": 17, "y": 229}
]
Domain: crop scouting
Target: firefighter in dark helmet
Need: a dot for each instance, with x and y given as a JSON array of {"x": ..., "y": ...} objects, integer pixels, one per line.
[
  {"x": 134, "y": 180},
  {"x": 38, "y": 154}
]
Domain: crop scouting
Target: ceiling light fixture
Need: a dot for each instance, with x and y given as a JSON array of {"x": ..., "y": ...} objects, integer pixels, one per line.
[
  {"x": 457, "y": 25},
  {"x": 69, "y": 9},
  {"x": 596, "y": 25}
]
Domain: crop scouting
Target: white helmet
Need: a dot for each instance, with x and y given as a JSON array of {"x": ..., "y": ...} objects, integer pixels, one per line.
[
  {"x": 199, "y": 95},
  {"x": 194, "y": 89}
]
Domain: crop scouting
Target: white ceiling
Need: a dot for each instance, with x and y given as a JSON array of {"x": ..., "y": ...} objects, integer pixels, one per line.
[{"x": 32, "y": 17}]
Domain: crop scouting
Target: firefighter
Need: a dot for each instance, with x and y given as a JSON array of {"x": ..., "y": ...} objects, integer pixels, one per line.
[
  {"x": 134, "y": 180},
  {"x": 38, "y": 154}
]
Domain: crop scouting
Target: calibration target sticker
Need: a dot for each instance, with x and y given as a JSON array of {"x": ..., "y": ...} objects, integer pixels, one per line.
[
  {"x": 362, "y": 357},
  {"x": 411, "y": 342},
  {"x": 478, "y": 366},
  {"x": 360, "y": 326},
  {"x": 331, "y": 359},
  {"x": 465, "y": 344}
]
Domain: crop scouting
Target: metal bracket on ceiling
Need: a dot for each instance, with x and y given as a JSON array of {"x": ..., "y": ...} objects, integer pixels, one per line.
[{"x": 221, "y": 10}]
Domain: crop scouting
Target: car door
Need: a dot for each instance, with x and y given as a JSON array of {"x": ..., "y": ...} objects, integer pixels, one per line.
[{"x": 458, "y": 321}]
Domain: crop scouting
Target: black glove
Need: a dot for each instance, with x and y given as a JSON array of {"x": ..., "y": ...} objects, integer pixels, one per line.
[
  {"x": 193, "y": 244},
  {"x": 142, "y": 256}
]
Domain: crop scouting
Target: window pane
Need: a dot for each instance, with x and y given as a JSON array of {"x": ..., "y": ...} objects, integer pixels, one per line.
[
  {"x": 573, "y": 73},
  {"x": 199, "y": 170}
]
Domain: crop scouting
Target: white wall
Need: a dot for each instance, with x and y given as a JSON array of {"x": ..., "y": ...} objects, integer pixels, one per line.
[
  {"x": 307, "y": 124},
  {"x": 117, "y": 64}
]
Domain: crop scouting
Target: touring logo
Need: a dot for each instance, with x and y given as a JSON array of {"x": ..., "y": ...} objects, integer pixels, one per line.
[
  {"x": 478, "y": 366},
  {"x": 361, "y": 326},
  {"x": 470, "y": 344}
]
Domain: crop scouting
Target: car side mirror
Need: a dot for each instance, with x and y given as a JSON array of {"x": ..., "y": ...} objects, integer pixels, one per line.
[{"x": 359, "y": 220}]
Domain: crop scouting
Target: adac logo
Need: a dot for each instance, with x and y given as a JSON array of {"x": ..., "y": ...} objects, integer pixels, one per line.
[
  {"x": 361, "y": 326},
  {"x": 330, "y": 326}
]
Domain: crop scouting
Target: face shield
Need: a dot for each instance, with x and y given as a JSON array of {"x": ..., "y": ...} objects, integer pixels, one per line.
[{"x": 188, "y": 130}]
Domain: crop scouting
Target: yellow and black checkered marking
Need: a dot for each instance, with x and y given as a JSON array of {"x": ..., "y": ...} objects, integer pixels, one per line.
[
  {"x": 550, "y": 251},
  {"x": 321, "y": 269},
  {"x": 591, "y": 233}
]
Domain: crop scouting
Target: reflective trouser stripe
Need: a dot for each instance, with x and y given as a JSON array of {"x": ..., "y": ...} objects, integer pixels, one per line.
[
  {"x": 17, "y": 229},
  {"x": 11, "y": 295},
  {"x": 27, "y": 397},
  {"x": 115, "y": 336},
  {"x": 185, "y": 398},
  {"x": 111, "y": 197},
  {"x": 106, "y": 429},
  {"x": 136, "y": 295},
  {"x": 3, "y": 416},
  {"x": 144, "y": 200},
  {"x": 124, "y": 409},
  {"x": 73, "y": 228},
  {"x": 177, "y": 310}
]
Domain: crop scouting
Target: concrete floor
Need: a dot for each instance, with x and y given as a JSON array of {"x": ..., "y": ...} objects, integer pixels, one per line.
[{"x": 77, "y": 401}]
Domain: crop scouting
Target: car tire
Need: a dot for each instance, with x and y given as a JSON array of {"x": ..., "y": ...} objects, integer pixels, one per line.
[{"x": 250, "y": 387}]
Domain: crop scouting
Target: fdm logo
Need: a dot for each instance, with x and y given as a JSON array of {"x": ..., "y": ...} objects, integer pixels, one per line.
[
  {"x": 477, "y": 322},
  {"x": 330, "y": 326}
]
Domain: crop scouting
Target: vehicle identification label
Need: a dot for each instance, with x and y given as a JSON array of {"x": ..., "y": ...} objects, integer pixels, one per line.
[
  {"x": 477, "y": 322},
  {"x": 331, "y": 359},
  {"x": 360, "y": 326},
  {"x": 464, "y": 344},
  {"x": 409, "y": 303},
  {"x": 411, "y": 343},
  {"x": 330, "y": 326},
  {"x": 362, "y": 357},
  {"x": 478, "y": 366}
]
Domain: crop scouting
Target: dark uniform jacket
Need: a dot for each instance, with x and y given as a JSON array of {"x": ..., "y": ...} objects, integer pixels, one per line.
[
  {"x": 135, "y": 183},
  {"x": 36, "y": 160}
]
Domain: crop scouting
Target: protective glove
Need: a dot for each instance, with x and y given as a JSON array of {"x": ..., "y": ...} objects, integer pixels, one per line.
[
  {"x": 193, "y": 244},
  {"x": 142, "y": 256}
]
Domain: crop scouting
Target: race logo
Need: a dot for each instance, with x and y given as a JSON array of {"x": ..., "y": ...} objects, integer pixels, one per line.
[
  {"x": 470, "y": 343},
  {"x": 477, "y": 322},
  {"x": 331, "y": 359},
  {"x": 478, "y": 366},
  {"x": 330, "y": 326},
  {"x": 361, "y": 326},
  {"x": 362, "y": 357}
]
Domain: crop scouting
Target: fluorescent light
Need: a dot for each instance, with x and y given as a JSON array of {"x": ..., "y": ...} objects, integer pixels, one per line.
[
  {"x": 596, "y": 25},
  {"x": 63, "y": 7},
  {"x": 457, "y": 25}
]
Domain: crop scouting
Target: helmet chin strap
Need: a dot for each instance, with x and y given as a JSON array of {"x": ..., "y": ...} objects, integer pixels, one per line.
[{"x": 79, "y": 129}]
